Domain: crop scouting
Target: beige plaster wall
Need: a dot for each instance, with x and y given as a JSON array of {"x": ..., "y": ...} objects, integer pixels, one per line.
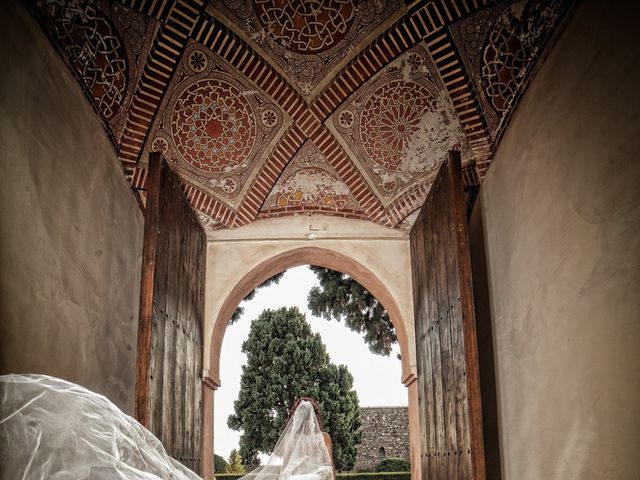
[
  {"x": 383, "y": 252},
  {"x": 559, "y": 218},
  {"x": 70, "y": 229}
]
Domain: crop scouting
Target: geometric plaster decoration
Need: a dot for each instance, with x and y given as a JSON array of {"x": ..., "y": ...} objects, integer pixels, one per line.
[
  {"x": 268, "y": 108},
  {"x": 104, "y": 45},
  {"x": 501, "y": 47},
  {"x": 307, "y": 41},
  {"x": 215, "y": 129},
  {"x": 310, "y": 184},
  {"x": 399, "y": 126}
]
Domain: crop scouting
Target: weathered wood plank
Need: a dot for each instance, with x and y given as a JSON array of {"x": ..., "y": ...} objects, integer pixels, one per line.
[
  {"x": 174, "y": 385},
  {"x": 436, "y": 321},
  {"x": 429, "y": 302},
  {"x": 143, "y": 354},
  {"x": 442, "y": 242},
  {"x": 159, "y": 306},
  {"x": 187, "y": 381},
  {"x": 199, "y": 324},
  {"x": 188, "y": 313},
  {"x": 415, "y": 239},
  {"x": 171, "y": 317},
  {"x": 199, "y": 242},
  {"x": 180, "y": 339},
  {"x": 445, "y": 333},
  {"x": 450, "y": 290},
  {"x": 459, "y": 389},
  {"x": 468, "y": 321},
  {"x": 430, "y": 298}
]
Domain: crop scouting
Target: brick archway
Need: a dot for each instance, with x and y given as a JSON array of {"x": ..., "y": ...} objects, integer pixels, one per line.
[{"x": 278, "y": 263}]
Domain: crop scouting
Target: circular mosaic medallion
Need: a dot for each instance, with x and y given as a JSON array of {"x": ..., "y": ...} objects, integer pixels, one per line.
[
  {"x": 160, "y": 145},
  {"x": 346, "y": 119},
  {"x": 310, "y": 26},
  {"x": 213, "y": 126},
  {"x": 229, "y": 185},
  {"x": 269, "y": 118},
  {"x": 415, "y": 62},
  {"x": 198, "y": 61},
  {"x": 391, "y": 115}
]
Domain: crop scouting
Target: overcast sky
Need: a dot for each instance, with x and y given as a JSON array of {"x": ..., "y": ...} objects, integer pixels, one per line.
[{"x": 376, "y": 378}]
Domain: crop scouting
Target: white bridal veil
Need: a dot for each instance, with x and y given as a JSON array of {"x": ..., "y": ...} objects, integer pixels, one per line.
[
  {"x": 300, "y": 453},
  {"x": 53, "y": 429}
]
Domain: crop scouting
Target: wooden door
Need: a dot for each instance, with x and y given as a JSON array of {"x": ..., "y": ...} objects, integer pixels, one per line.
[
  {"x": 169, "y": 366},
  {"x": 446, "y": 345}
]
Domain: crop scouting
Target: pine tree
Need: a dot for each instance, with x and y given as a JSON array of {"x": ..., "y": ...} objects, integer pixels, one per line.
[
  {"x": 286, "y": 361},
  {"x": 237, "y": 313},
  {"x": 341, "y": 296},
  {"x": 235, "y": 463},
  {"x": 219, "y": 463}
]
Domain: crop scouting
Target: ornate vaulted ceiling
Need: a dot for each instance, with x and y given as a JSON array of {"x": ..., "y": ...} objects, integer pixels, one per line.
[{"x": 268, "y": 108}]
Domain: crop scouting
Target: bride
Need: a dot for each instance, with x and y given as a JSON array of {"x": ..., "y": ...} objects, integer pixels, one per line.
[{"x": 303, "y": 451}]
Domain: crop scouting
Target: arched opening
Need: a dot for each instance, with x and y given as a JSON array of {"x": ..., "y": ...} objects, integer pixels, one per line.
[
  {"x": 312, "y": 256},
  {"x": 381, "y": 454},
  {"x": 279, "y": 263}
]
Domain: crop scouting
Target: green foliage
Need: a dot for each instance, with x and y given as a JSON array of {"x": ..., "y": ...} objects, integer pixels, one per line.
[
  {"x": 340, "y": 296},
  {"x": 393, "y": 465},
  {"x": 219, "y": 464},
  {"x": 286, "y": 361},
  {"x": 235, "y": 463},
  {"x": 373, "y": 476},
  {"x": 237, "y": 313},
  {"x": 344, "y": 476}
]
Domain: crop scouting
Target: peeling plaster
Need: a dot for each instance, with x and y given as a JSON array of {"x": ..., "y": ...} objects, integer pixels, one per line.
[
  {"x": 438, "y": 132},
  {"x": 206, "y": 221},
  {"x": 310, "y": 181},
  {"x": 531, "y": 33},
  {"x": 312, "y": 185}
]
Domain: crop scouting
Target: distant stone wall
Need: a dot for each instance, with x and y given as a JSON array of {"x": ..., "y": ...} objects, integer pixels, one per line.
[{"x": 386, "y": 428}]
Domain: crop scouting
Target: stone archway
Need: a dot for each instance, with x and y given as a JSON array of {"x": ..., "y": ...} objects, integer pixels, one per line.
[{"x": 278, "y": 263}]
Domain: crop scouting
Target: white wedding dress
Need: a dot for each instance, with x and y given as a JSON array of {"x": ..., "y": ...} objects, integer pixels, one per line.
[
  {"x": 54, "y": 429},
  {"x": 300, "y": 453}
]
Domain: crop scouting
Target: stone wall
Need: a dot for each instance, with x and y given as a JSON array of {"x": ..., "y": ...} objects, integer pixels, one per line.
[{"x": 382, "y": 427}]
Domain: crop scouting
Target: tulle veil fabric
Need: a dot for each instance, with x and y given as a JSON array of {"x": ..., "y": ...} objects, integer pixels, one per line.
[
  {"x": 54, "y": 429},
  {"x": 300, "y": 453}
]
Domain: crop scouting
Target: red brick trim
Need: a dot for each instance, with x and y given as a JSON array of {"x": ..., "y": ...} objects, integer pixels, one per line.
[
  {"x": 285, "y": 149},
  {"x": 166, "y": 50}
]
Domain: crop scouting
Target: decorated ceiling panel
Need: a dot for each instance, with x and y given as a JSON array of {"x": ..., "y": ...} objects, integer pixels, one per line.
[
  {"x": 104, "y": 45},
  {"x": 310, "y": 183},
  {"x": 215, "y": 128},
  {"x": 500, "y": 47},
  {"x": 268, "y": 108},
  {"x": 399, "y": 126},
  {"x": 307, "y": 40}
]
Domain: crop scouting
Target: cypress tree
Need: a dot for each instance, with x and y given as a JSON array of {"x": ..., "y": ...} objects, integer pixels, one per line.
[{"x": 286, "y": 361}]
